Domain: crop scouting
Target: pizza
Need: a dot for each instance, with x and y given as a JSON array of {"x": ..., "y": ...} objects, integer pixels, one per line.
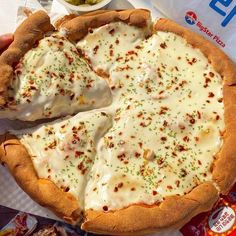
[{"x": 137, "y": 129}]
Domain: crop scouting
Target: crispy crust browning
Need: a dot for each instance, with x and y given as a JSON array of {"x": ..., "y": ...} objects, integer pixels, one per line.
[
  {"x": 174, "y": 211},
  {"x": 79, "y": 26},
  {"x": 27, "y": 34},
  {"x": 43, "y": 191}
]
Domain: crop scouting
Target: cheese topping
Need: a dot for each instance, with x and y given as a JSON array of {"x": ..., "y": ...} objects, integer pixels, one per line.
[
  {"x": 53, "y": 80},
  {"x": 160, "y": 137},
  {"x": 63, "y": 151},
  {"x": 167, "y": 123},
  {"x": 110, "y": 43}
]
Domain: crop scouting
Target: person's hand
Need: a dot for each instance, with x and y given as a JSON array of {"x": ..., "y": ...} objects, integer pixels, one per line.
[{"x": 5, "y": 41}]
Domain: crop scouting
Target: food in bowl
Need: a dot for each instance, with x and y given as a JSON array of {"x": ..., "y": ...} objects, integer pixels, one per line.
[{"x": 83, "y": 2}]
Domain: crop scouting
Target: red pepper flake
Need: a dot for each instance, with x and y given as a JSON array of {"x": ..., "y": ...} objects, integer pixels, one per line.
[
  {"x": 49, "y": 170},
  {"x": 217, "y": 117},
  {"x": 211, "y": 95},
  {"x": 163, "y": 139},
  {"x": 138, "y": 47},
  {"x": 154, "y": 193},
  {"x": 178, "y": 58},
  {"x": 95, "y": 189},
  {"x": 142, "y": 124},
  {"x": 165, "y": 123},
  {"x": 111, "y": 53},
  {"x": 52, "y": 145},
  {"x": 186, "y": 139},
  {"x": 103, "y": 113},
  {"x": 211, "y": 74},
  {"x": 117, "y": 41},
  {"x": 199, "y": 162},
  {"x": 182, "y": 83},
  {"x": 70, "y": 59},
  {"x": 181, "y": 148},
  {"x": 82, "y": 168},
  {"x": 163, "y": 45},
  {"x": 78, "y": 153},
  {"x": 169, "y": 187},
  {"x": 220, "y": 100},
  {"x": 196, "y": 139},
  {"x": 174, "y": 154},
  {"x": 132, "y": 189},
  {"x": 207, "y": 81},
  {"x": 62, "y": 92},
  {"x": 95, "y": 49},
  {"x": 183, "y": 172},
  {"x": 120, "y": 185},
  {"x": 177, "y": 182},
  {"x": 72, "y": 96},
  {"x": 120, "y": 133},
  {"x": 140, "y": 144},
  {"x": 132, "y": 52},
  {"x": 199, "y": 116},
  {"x": 137, "y": 154},
  {"x": 105, "y": 208},
  {"x": 112, "y": 31},
  {"x": 160, "y": 161},
  {"x": 163, "y": 110},
  {"x": 116, "y": 189},
  {"x": 111, "y": 145}
]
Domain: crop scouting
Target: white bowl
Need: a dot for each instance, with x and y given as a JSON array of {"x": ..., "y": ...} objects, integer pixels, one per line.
[{"x": 85, "y": 8}]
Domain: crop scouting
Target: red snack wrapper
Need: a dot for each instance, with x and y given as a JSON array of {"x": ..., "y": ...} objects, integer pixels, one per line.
[{"x": 221, "y": 221}]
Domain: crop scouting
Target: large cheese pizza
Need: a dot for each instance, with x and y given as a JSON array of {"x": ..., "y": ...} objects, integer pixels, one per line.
[{"x": 137, "y": 124}]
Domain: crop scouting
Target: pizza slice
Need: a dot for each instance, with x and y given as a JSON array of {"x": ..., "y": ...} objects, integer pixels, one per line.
[
  {"x": 44, "y": 76},
  {"x": 105, "y": 38},
  {"x": 53, "y": 160}
]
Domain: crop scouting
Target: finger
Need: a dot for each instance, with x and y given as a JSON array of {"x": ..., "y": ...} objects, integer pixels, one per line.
[{"x": 5, "y": 41}]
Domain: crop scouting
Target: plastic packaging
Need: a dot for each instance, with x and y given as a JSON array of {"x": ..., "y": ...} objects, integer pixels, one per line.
[{"x": 214, "y": 19}]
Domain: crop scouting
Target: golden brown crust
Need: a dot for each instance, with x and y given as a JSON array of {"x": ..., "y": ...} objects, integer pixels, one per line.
[
  {"x": 78, "y": 27},
  {"x": 25, "y": 37},
  {"x": 172, "y": 212},
  {"x": 43, "y": 191},
  {"x": 224, "y": 169}
]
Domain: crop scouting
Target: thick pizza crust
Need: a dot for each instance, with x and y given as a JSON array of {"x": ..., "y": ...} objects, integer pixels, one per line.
[
  {"x": 25, "y": 37},
  {"x": 43, "y": 191},
  {"x": 174, "y": 211},
  {"x": 79, "y": 26}
]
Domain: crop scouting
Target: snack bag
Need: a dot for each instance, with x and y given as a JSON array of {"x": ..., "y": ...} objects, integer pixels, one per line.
[
  {"x": 214, "y": 19},
  {"x": 221, "y": 221}
]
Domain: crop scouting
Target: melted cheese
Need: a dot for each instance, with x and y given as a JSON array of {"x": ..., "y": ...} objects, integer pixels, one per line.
[
  {"x": 110, "y": 43},
  {"x": 53, "y": 80},
  {"x": 167, "y": 123},
  {"x": 64, "y": 151},
  {"x": 167, "y": 118}
]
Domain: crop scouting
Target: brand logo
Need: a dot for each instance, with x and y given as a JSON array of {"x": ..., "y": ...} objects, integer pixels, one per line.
[
  {"x": 191, "y": 17},
  {"x": 222, "y": 219}
]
